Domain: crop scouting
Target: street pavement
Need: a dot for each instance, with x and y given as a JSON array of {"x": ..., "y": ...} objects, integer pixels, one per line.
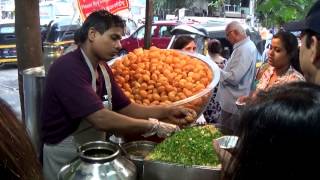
[{"x": 9, "y": 87}]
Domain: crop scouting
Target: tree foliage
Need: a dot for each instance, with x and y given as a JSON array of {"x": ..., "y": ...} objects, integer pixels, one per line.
[
  {"x": 276, "y": 12},
  {"x": 171, "y": 5}
]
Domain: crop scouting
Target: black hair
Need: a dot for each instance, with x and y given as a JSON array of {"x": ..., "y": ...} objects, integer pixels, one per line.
[
  {"x": 214, "y": 46},
  {"x": 290, "y": 43},
  {"x": 100, "y": 20},
  {"x": 309, "y": 34},
  {"x": 76, "y": 36},
  {"x": 182, "y": 41},
  {"x": 279, "y": 135}
]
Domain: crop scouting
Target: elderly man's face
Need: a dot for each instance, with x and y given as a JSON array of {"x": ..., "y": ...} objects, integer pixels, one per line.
[{"x": 230, "y": 34}]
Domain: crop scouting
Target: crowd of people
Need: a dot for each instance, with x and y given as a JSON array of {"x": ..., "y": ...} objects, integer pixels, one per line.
[{"x": 278, "y": 128}]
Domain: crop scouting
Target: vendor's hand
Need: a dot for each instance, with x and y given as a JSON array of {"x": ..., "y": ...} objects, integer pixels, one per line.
[
  {"x": 242, "y": 99},
  {"x": 181, "y": 116},
  {"x": 166, "y": 129},
  {"x": 161, "y": 129}
]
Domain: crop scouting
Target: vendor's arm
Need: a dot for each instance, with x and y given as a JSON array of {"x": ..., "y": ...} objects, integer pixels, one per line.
[
  {"x": 110, "y": 121},
  {"x": 145, "y": 112},
  {"x": 176, "y": 115}
]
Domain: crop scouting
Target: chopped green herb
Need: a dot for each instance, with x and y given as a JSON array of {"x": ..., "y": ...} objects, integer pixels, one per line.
[{"x": 190, "y": 146}]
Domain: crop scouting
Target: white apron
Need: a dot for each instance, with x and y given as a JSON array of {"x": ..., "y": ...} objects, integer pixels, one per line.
[{"x": 55, "y": 156}]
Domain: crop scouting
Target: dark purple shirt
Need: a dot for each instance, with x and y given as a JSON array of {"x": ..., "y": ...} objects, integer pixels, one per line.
[{"x": 69, "y": 97}]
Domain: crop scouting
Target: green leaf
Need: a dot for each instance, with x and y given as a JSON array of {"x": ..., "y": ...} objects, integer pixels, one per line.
[{"x": 275, "y": 12}]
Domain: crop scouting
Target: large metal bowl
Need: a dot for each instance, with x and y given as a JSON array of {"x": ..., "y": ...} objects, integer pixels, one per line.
[
  {"x": 198, "y": 101},
  {"x": 157, "y": 170},
  {"x": 136, "y": 151}
]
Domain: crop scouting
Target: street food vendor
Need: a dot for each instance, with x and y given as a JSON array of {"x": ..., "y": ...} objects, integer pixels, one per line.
[{"x": 82, "y": 100}]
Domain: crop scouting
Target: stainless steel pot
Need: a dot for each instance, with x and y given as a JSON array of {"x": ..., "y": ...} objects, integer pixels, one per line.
[
  {"x": 99, "y": 160},
  {"x": 136, "y": 151}
]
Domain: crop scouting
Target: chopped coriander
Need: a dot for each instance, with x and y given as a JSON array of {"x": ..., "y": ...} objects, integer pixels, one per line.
[{"x": 190, "y": 146}]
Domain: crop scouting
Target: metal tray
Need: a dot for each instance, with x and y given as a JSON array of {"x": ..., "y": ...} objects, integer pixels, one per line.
[{"x": 156, "y": 170}]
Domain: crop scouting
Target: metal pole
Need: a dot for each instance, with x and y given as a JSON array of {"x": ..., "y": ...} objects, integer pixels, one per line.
[
  {"x": 251, "y": 8},
  {"x": 148, "y": 24}
]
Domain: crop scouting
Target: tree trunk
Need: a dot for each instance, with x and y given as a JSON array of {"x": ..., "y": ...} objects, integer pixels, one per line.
[
  {"x": 148, "y": 24},
  {"x": 27, "y": 27}
]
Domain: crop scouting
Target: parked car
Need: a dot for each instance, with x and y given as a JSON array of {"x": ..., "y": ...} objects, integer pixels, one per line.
[
  {"x": 213, "y": 30},
  {"x": 200, "y": 36},
  {"x": 131, "y": 26},
  {"x": 216, "y": 29},
  {"x": 59, "y": 37},
  {"x": 202, "y": 33},
  {"x": 8, "y": 53},
  {"x": 60, "y": 34},
  {"x": 160, "y": 36}
]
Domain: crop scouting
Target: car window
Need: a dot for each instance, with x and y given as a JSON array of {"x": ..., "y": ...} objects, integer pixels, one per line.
[
  {"x": 140, "y": 33},
  {"x": 217, "y": 34},
  {"x": 6, "y": 30},
  {"x": 165, "y": 31},
  {"x": 61, "y": 32}
]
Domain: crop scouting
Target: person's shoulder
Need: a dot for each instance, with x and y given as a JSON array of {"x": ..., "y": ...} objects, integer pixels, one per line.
[
  {"x": 263, "y": 69},
  {"x": 70, "y": 64},
  {"x": 245, "y": 43},
  {"x": 69, "y": 60},
  {"x": 251, "y": 43},
  {"x": 296, "y": 75}
]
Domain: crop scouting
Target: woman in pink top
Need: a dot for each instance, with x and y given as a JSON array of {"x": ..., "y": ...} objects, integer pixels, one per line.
[
  {"x": 283, "y": 64},
  {"x": 282, "y": 57}
]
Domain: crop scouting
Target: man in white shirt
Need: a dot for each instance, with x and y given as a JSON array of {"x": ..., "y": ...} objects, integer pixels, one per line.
[{"x": 237, "y": 76}]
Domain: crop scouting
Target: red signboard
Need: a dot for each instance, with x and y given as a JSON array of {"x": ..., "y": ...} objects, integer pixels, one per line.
[{"x": 113, "y": 6}]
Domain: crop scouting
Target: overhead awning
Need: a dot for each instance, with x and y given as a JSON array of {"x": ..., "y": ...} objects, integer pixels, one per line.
[{"x": 113, "y": 6}]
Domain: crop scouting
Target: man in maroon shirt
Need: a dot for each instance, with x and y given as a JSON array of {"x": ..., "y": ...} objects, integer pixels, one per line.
[{"x": 82, "y": 99}]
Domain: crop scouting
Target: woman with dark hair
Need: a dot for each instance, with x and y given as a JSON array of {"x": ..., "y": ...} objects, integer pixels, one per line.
[
  {"x": 283, "y": 57},
  {"x": 278, "y": 136},
  {"x": 283, "y": 61},
  {"x": 214, "y": 52},
  {"x": 185, "y": 43},
  {"x": 213, "y": 109},
  {"x": 18, "y": 159}
]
